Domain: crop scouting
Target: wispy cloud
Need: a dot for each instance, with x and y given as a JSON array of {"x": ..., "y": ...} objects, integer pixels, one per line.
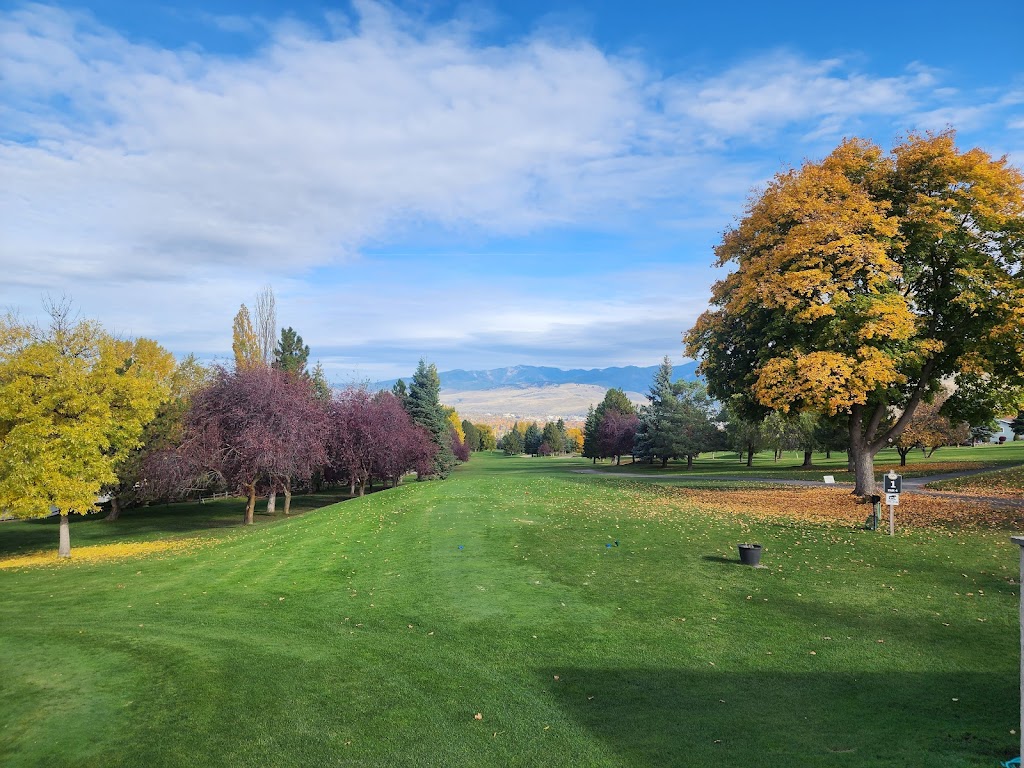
[{"x": 183, "y": 181}]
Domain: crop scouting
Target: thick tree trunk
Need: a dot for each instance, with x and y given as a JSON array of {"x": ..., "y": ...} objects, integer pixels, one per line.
[
  {"x": 864, "y": 472},
  {"x": 272, "y": 503},
  {"x": 689, "y": 461},
  {"x": 828, "y": 453},
  {"x": 807, "y": 459},
  {"x": 115, "y": 510},
  {"x": 750, "y": 454},
  {"x": 664, "y": 461},
  {"x": 618, "y": 459},
  {"x": 64, "y": 547},
  {"x": 903, "y": 456},
  {"x": 352, "y": 486},
  {"x": 250, "y": 507},
  {"x": 287, "y": 497}
]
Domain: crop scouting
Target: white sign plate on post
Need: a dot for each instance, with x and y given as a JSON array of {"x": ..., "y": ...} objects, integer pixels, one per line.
[{"x": 892, "y": 499}]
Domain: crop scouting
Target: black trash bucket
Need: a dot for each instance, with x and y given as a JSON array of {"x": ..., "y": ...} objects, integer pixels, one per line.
[{"x": 750, "y": 554}]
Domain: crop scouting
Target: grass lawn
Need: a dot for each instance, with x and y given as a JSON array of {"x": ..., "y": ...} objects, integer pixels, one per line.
[{"x": 514, "y": 615}]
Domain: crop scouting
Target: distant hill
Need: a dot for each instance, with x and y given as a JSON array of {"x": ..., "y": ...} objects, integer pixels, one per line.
[{"x": 629, "y": 378}]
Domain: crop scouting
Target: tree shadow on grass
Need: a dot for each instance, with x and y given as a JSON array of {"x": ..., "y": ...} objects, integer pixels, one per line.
[
  {"x": 144, "y": 523},
  {"x": 669, "y": 717},
  {"x": 720, "y": 559}
]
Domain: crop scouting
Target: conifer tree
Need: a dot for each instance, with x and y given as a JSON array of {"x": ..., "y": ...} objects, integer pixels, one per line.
[
  {"x": 590, "y": 450},
  {"x": 425, "y": 408},
  {"x": 532, "y": 439},
  {"x": 291, "y": 354}
]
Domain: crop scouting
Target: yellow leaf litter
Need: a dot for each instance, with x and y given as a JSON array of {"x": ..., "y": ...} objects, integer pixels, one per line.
[{"x": 100, "y": 553}]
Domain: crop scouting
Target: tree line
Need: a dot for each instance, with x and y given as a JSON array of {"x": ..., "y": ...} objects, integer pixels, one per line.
[{"x": 86, "y": 416}]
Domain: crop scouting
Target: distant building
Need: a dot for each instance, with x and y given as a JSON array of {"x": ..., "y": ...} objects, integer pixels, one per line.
[{"x": 1004, "y": 433}]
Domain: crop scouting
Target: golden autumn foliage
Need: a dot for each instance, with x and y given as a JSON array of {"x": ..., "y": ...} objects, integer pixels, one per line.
[
  {"x": 73, "y": 403},
  {"x": 456, "y": 423},
  {"x": 863, "y": 280},
  {"x": 245, "y": 343}
]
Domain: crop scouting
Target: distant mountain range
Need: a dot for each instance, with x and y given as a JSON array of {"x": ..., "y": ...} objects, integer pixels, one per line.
[{"x": 631, "y": 378}]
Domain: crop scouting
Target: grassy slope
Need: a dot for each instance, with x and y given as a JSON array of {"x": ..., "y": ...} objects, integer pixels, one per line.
[{"x": 363, "y": 635}]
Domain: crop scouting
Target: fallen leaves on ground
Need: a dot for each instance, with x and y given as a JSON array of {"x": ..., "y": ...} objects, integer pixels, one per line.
[
  {"x": 104, "y": 552},
  {"x": 834, "y": 505},
  {"x": 1006, "y": 483}
]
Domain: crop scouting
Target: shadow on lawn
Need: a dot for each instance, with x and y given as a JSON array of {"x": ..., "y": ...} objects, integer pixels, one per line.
[
  {"x": 720, "y": 559},
  {"x": 156, "y": 521},
  {"x": 667, "y": 717}
]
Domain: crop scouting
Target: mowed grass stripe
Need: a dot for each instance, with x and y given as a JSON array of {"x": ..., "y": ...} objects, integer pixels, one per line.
[{"x": 665, "y": 651}]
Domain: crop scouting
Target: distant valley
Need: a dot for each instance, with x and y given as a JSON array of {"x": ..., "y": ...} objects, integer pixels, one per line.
[{"x": 541, "y": 393}]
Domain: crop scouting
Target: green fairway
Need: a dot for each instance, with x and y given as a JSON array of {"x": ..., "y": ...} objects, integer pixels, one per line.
[{"x": 587, "y": 621}]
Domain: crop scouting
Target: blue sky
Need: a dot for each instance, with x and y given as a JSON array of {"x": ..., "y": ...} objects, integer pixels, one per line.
[{"x": 480, "y": 184}]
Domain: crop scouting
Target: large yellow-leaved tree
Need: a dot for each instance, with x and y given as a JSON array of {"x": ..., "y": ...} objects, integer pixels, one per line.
[
  {"x": 73, "y": 404},
  {"x": 863, "y": 281}
]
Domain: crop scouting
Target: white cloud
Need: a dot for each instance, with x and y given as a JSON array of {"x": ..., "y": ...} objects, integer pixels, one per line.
[
  {"x": 755, "y": 99},
  {"x": 164, "y": 187}
]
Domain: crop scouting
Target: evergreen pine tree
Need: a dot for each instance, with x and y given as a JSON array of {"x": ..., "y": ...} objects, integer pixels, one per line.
[
  {"x": 590, "y": 449},
  {"x": 400, "y": 391},
  {"x": 321, "y": 389},
  {"x": 532, "y": 439},
  {"x": 424, "y": 407},
  {"x": 291, "y": 354}
]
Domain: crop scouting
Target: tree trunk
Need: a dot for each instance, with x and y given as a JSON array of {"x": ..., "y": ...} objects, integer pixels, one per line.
[
  {"x": 618, "y": 459},
  {"x": 750, "y": 454},
  {"x": 64, "y": 547},
  {"x": 807, "y": 459},
  {"x": 272, "y": 503},
  {"x": 828, "y": 453},
  {"x": 664, "y": 461},
  {"x": 903, "y": 456},
  {"x": 689, "y": 461},
  {"x": 864, "y": 472},
  {"x": 352, "y": 486},
  {"x": 287, "y": 497},
  {"x": 115, "y": 510},
  {"x": 250, "y": 507}
]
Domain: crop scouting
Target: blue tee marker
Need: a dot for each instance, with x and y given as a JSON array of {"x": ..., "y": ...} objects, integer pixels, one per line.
[{"x": 460, "y": 546}]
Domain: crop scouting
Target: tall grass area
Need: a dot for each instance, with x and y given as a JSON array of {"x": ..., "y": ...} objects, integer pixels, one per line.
[{"x": 516, "y": 615}]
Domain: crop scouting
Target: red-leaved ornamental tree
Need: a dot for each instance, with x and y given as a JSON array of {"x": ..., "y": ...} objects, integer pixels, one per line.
[
  {"x": 351, "y": 437},
  {"x": 401, "y": 446},
  {"x": 459, "y": 446},
  {"x": 256, "y": 426},
  {"x": 616, "y": 433},
  {"x": 374, "y": 437}
]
